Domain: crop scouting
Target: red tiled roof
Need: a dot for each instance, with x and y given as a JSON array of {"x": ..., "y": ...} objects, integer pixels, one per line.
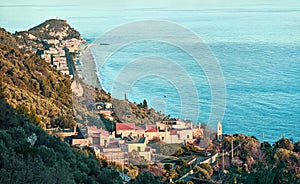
[
  {"x": 173, "y": 132},
  {"x": 104, "y": 132},
  {"x": 125, "y": 126},
  {"x": 151, "y": 128},
  {"x": 139, "y": 128},
  {"x": 93, "y": 130},
  {"x": 94, "y": 135}
]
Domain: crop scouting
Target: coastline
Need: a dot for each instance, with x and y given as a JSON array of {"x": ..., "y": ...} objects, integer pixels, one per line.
[{"x": 87, "y": 69}]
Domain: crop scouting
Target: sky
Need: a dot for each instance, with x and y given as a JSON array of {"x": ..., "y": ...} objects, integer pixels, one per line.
[{"x": 17, "y": 15}]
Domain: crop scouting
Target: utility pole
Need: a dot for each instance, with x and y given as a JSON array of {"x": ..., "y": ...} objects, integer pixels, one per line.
[
  {"x": 223, "y": 160},
  {"x": 218, "y": 165},
  {"x": 263, "y": 136},
  {"x": 218, "y": 160},
  {"x": 231, "y": 149}
]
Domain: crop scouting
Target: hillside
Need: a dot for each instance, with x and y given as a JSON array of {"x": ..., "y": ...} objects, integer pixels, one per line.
[
  {"x": 136, "y": 113},
  {"x": 35, "y": 39},
  {"x": 33, "y": 96},
  {"x": 29, "y": 155},
  {"x": 33, "y": 93},
  {"x": 54, "y": 29},
  {"x": 34, "y": 86},
  {"x": 7, "y": 39}
]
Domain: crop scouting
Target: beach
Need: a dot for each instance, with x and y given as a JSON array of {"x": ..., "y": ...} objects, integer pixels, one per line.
[{"x": 87, "y": 69}]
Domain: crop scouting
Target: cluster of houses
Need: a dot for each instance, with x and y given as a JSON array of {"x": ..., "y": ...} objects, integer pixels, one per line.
[
  {"x": 56, "y": 51},
  {"x": 170, "y": 132},
  {"x": 129, "y": 138},
  {"x": 57, "y": 54}
]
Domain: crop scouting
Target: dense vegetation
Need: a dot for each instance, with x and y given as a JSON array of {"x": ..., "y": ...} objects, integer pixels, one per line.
[
  {"x": 7, "y": 39},
  {"x": 263, "y": 163},
  {"x": 29, "y": 155},
  {"x": 34, "y": 87},
  {"x": 136, "y": 113},
  {"x": 33, "y": 93}
]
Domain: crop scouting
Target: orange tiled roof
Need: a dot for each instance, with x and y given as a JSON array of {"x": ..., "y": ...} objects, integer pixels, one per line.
[
  {"x": 128, "y": 126},
  {"x": 151, "y": 128},
  {"x": 125, "y": 126},
  {"x": 173, "y": 132},
  {"x": 93, "y": 130}
]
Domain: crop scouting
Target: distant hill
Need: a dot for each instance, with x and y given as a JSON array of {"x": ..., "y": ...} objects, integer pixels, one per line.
[
  {"x": 50, "y": 29},
  {"x": 54, "y": 29}
]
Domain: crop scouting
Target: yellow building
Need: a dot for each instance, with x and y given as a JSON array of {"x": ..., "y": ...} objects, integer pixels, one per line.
[{"x": 141, "y": 148}]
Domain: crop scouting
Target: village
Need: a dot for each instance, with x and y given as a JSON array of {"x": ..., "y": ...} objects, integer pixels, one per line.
[
  {"x": 58, "y": 49},
  {"x": 128, "y": 143},
  {"x": 63, "y": 54},
  {"x": 127, "y": 138}
]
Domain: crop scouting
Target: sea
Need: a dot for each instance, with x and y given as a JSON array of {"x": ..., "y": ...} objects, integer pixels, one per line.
[{"x": 248, "y": 77}]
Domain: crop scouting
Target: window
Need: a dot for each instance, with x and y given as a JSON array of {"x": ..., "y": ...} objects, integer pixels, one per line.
[
  {"x": 139, "y": 149},
  {"x": 162, "y": 138},
  {"x": 188, "y": 136}
]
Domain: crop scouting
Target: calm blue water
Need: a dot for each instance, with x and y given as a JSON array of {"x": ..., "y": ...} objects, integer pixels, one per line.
[{"x": 257, "y": 45}]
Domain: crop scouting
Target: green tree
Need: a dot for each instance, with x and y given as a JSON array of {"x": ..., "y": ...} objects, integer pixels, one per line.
[
  {"x": 171, "y": 174},
  {"x": 145, "y": 105},
  {"x": 183, "y": 163},
  {"x": 180, "y": 152},
  {"x": 146, "y": 177},
  {"x": 297, "y": 146},
  {"x": 2, "y": 88},
  {"x": 285, "y": 144},
  {"x": 205, "y": 171},
  {"x": 168, "y": 167}
]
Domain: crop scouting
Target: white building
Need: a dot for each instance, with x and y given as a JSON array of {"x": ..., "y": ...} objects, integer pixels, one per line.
[{"x": 219, "y": 131}]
